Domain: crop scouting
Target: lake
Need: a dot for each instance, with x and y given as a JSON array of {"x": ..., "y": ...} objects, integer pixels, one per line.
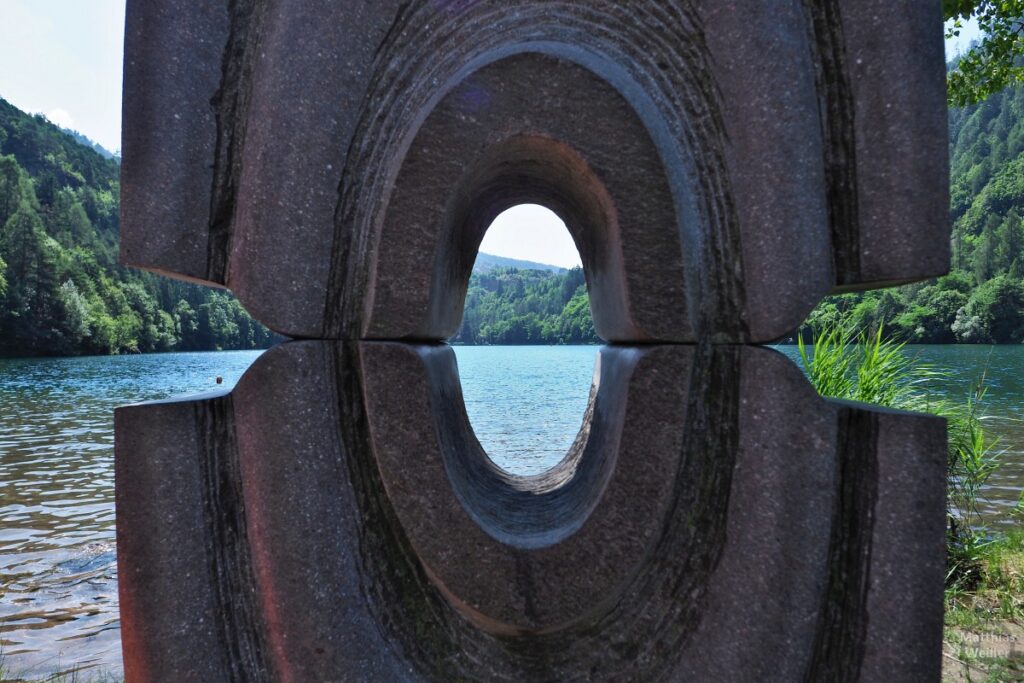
[{"x": 58, "y": 576}]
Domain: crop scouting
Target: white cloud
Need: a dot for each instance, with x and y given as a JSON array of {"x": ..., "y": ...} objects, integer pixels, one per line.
[{"x": 61, "y": 117}]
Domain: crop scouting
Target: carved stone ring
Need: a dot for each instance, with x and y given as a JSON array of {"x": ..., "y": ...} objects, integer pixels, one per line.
[{"x": 721, "y": 166}]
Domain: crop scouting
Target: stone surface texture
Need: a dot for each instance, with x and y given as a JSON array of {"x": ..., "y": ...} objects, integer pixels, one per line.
[{"x": 721, "y": 167}]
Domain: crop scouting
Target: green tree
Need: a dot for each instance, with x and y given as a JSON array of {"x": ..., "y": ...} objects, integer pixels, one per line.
[
  {"x": 68, "y": 222},
  {"x": 992, "y": 64},
  {"x": 1009, "y": 237},
  {"x": 993, "y": 314},
  {"x": 187, "y": 325},
  {"x": 985, "y": 251},
  {"x": 61, "y": 288},
  {"x": 21, "y": 244},
  {"x": 15, "y": 188},
  {"x": 513, "y": 306},
  {"x": 74, "y": 314}
]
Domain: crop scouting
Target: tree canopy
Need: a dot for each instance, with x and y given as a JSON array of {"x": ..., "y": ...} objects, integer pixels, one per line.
[
  {"x": 520, "y": 306},
  {"x": 994, "y": 63},
  {"x": 982, "y": 299},
  {"x": 62, "y": 291}
]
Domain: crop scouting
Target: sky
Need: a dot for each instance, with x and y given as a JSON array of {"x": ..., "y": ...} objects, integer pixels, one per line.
[
  {"x": 532, "y": 233},
  {"x": 62, "y": 58},
  {"x": 969, "y": 33}
]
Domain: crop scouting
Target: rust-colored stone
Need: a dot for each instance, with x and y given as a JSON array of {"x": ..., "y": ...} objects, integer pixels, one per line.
[{"x": 721, "y": 166}]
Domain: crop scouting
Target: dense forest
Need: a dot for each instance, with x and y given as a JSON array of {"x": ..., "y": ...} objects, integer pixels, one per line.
[
  {"x": 526, "y": 306},
  {"x": 485, "y": 262},
  {"x": 61, "y": 289},
  {"x": 982, "y": 300},
  {"x": 63, "y": 293}
]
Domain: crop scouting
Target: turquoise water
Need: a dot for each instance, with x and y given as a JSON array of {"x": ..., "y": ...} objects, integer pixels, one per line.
[
  {"x": 58, "y": 579},
  {"x": 1002, "y": 369},
  {"x": 526, "y": 403}
]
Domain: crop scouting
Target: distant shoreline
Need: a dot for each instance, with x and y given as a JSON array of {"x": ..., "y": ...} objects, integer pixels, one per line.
[{"x": 450, "y": 343}]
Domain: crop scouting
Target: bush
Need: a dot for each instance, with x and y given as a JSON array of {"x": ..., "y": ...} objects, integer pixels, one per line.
[{"x": 993, "y": 314}]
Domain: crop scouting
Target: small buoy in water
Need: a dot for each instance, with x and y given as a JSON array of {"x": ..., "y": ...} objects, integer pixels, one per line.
[{"x": 220, "y": 380}]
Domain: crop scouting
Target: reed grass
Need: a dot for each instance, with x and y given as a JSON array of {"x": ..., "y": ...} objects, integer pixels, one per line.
[{"x": 867, "y": 366}]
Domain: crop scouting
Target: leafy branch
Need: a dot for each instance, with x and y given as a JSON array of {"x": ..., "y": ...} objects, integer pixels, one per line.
[{"x": 994, "y": 63}]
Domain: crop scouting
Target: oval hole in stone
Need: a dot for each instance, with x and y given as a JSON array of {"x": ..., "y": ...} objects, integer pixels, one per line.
[{"x": 525, "y": 400}]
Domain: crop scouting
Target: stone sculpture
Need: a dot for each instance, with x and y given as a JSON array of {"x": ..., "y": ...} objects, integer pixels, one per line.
[{"x": 721, "y": 166}]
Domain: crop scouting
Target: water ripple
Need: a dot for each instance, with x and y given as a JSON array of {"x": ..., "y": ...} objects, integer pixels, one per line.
[
  {"x": 58, "y": 567},
  {"x": 58, "y": 570}
]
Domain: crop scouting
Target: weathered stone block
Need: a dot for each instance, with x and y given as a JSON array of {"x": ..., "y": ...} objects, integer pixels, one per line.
[
  {"x": 721, "y": 167},
  {"x": 715, "y": 519}
]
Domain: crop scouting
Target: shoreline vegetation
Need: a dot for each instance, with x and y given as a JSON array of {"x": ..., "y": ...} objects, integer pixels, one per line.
[
  {"x": 60, "y": 675},
  {"x": 984, "y": 631},
  {"x": 984, "y": 592},
  {"x": 62, "y": 292}
]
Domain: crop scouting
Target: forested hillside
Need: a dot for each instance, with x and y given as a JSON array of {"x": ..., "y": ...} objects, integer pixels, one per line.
[
  {"x": 62, "y": 292},
  {"x": 61, "y": 289},
  {"x": 485, "y": 262},
  {"x": 982, "y": 300},
  {"x": 513, "y": 306}
]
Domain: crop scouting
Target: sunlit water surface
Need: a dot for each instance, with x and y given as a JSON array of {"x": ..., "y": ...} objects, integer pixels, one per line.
[
  {"x": 58, "y": 576},
  {"x": 58, "y": 573}
]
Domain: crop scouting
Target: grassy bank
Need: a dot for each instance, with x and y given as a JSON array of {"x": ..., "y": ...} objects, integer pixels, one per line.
[
  {"x": 984, "y": 632},
  {"x": 10, "y": 675},
  {"x": 984, "y": 635}
]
